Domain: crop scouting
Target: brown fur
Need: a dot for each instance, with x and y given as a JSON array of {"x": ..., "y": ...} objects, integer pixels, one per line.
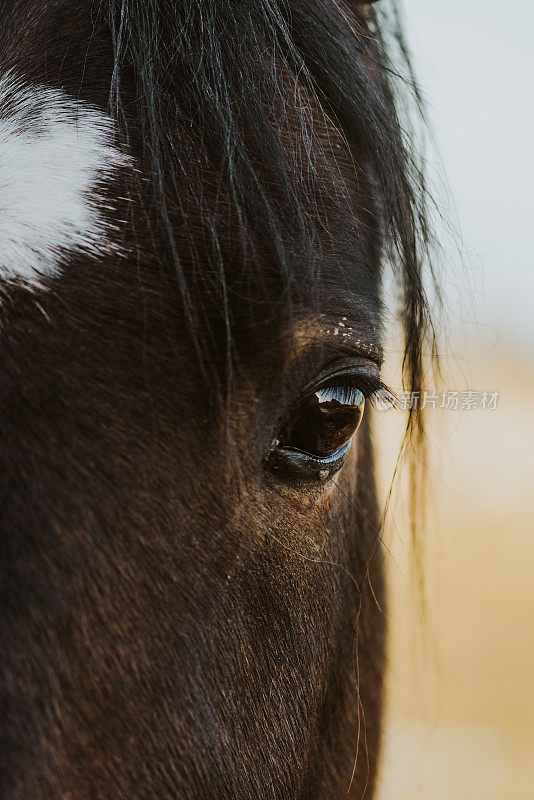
[{"x": 177, "y": 623}]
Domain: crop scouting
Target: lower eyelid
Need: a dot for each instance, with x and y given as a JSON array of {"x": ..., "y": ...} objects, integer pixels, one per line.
[
  {"x": 321, "y": 460},
  {"x": 303, "y": 467}
]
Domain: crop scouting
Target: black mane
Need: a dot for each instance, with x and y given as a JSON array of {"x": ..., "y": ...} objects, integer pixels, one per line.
[{"x": 233, "y": 67}]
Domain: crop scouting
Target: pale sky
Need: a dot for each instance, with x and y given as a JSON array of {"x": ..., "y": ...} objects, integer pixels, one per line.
[{"x": 474, "y": 60}]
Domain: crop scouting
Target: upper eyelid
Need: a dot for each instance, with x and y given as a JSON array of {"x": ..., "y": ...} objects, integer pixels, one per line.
[
  {"x": 332, "y": 336},
  {"x": 369, "y": 383},
  {"x": 362, "y": 371},
  {"x": 363, "y": 375}
]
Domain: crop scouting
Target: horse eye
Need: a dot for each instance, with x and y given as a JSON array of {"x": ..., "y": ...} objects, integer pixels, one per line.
[{"x": 325, "y": 423}]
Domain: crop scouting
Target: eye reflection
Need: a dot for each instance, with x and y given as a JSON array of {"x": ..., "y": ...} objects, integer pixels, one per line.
[{"x": 326, "y": 422}]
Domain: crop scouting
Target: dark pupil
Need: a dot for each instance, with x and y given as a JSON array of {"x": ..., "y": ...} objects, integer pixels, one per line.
[{"x": 327, "y": 421}]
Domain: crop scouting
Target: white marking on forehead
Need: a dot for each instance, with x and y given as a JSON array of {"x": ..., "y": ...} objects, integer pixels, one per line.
[{"x": 56, "y": 156}]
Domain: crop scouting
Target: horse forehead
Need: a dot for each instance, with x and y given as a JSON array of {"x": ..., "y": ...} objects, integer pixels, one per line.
[{"x": 57, "y": 156}]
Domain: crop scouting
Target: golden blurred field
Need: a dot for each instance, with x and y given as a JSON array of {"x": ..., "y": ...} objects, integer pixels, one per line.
[{"x": 460, "y": 717}]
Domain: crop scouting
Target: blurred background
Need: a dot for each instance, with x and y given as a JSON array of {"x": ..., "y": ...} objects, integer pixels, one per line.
[{"x": 460, "y": 710}]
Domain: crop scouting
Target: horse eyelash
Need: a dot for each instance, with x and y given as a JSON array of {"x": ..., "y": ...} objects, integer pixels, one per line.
[
  {"x": 372, "y": 387},
  {"x": 369, "y": 385}
]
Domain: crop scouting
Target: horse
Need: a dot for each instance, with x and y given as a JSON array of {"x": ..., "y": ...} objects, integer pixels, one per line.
[{"x": 197, "y": 203}]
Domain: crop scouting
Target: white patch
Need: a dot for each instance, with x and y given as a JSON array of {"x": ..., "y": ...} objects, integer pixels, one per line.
[{"x": 56, "y": 157}]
